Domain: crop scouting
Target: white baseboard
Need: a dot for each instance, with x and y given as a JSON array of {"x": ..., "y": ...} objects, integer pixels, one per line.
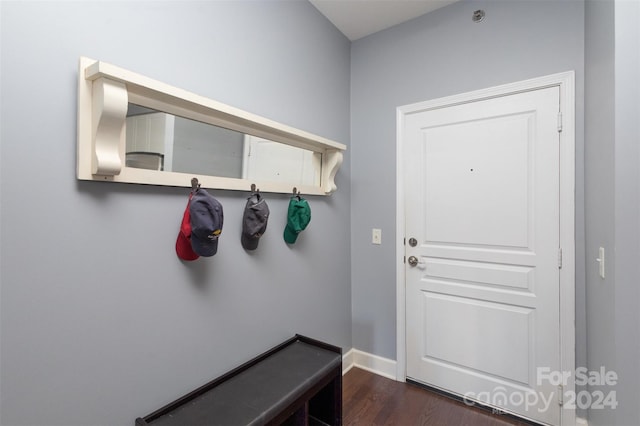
[
  {"x": 347, "y": 362},
  {"x": 581, "y": 422},
  {"x": 376, "y": 364}
]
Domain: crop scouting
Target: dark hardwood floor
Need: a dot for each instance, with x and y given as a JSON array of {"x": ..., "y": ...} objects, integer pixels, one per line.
[{"x": 369, "y": 399}]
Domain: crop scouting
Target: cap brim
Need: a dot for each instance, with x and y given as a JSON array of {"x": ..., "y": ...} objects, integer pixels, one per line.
[
  {"x": 249, "y": 242},
  {"x": 204, "y": 248},
  {"x": 184, "y": 249},
  {"x": 290, "y": 235}
]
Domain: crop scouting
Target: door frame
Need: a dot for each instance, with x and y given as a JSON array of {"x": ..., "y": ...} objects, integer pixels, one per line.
[{"x": 566, "y": 83}]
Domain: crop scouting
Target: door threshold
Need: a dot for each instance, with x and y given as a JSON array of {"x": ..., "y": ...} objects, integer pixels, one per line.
[{"x": 496, "y": 412}]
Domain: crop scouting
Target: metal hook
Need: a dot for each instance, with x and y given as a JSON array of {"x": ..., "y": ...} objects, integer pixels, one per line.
[
  {"x": 253, "y": 188},
  {"x": 296, "y": 192},
  {"x": 195, "y": 185}
]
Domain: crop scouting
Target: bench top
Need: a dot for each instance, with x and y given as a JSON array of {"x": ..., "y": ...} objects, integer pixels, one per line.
[{"x": 258, "y": 393}]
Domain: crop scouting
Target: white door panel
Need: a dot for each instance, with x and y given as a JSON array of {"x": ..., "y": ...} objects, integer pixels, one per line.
[
  {"x": 514, "y": 277},
  {"x": 490, "y": 210},
  {"x": 482, "y": 201},
  {"x": 483, "y": 324}
]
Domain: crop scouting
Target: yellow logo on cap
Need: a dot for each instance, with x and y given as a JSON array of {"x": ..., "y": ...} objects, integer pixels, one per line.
[{"x": 214, "y": 235}]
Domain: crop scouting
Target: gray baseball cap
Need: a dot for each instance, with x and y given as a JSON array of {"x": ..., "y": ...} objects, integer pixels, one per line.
[
  {"x": 206, "y": 223},
  {"x": 254, "y": 221}
]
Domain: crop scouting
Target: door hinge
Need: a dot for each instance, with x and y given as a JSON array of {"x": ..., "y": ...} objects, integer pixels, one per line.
[
  {"x": 560, "y": 395},
  {"x": 404, "y": 259},
  {"x": 559, "y": 258},
  {"x": 559, "y": 121}
]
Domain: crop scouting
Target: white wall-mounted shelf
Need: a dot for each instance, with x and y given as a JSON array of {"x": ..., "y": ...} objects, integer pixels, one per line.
[{"x": 104, "y": 92}]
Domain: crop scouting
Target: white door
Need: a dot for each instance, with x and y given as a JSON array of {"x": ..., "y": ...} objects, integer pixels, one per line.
[{"x": 482, "y": 203}]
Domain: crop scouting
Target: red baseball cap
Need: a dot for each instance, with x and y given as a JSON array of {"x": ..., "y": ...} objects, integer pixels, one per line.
[{"x": 183, "y": 243}]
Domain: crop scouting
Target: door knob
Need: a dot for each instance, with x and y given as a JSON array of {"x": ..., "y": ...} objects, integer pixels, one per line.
[{"x": 413, "y": 261}]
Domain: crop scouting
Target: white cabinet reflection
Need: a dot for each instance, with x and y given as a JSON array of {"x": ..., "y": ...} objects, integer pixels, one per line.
[{"x": 272, "y": 161}]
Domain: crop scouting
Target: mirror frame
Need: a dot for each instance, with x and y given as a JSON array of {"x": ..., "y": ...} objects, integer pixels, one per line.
[{"x": 104, "y": 92}]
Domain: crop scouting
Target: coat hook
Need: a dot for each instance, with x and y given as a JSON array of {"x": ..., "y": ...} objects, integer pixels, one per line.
[
  {"x": 195, "y": 185},
  {"x": 253, "y": 188}
]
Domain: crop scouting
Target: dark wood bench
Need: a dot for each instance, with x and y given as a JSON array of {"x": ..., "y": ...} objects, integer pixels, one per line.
[{"x": 298, "y": 382}]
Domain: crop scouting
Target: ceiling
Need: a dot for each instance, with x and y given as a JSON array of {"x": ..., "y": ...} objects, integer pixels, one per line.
[{"x": 359, "y": 18}]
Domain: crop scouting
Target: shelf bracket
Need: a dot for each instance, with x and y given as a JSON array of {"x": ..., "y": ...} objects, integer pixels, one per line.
[
  {"x": 109, "y": 115},
  {"x": 333, "y": 159}
]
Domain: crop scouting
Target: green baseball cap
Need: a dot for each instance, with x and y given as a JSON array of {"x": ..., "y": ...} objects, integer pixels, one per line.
[{"x": 298, "y": 217}]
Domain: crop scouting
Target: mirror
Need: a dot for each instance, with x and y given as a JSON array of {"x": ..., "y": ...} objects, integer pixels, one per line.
[
  {"x": 156, "y": 140},
  {"x": 133, "y": 129}
]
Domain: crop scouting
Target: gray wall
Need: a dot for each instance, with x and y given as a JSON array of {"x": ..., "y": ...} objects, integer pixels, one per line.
[
  {"x": 612, "y": 160},
  {"x": 203, "y": 149},
  {"x": 599, "y": 184},
  {"x": 627, "y": 215},
  {"x": 100, "y": 321},
  {"x": 440, "y": 54}
]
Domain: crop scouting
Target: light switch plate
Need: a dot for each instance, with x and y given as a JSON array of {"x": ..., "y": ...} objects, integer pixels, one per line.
[
  {"x": 600, "y": 260},
  {"x": 376, "y": 236}
]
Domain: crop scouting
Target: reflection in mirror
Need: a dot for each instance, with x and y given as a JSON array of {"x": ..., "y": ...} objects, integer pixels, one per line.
[{"x": 159, "y": 141}]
